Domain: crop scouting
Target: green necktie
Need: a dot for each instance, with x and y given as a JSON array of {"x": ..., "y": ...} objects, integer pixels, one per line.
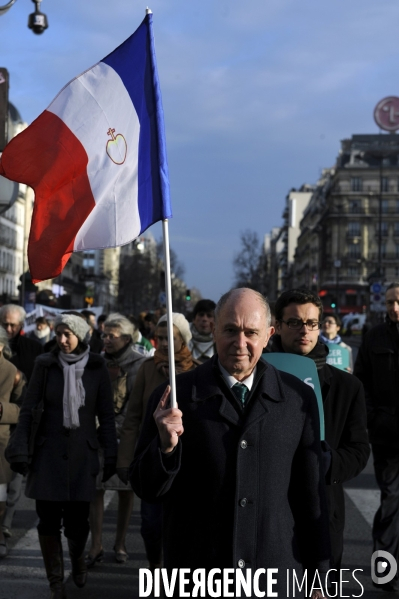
[{"x": 240, "y": 391}]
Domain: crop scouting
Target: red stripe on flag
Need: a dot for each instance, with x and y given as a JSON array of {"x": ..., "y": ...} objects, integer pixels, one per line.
[{"x": 48, "y": 157}]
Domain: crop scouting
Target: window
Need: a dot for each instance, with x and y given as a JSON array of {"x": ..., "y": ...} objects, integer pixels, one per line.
[
  {"x": 396, "y": 271},
  {"x": 354, "y": 206},
  {"x": 356, "y": 184},
  {"x": 383, "y": 250},
  {"x": 384, "y": 206},
  {"x": 384, "y": 183},
  {"x": 354, "y": 250},
  {"x": 396, "y": 229},
  {"x": 354, "y": 229},
  {"x": 384, "y": 229},
  {"x": 353, "y": 271}
]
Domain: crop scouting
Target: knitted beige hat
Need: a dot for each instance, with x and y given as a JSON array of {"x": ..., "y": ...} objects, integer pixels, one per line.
[
  {"x": 77, "y": 324},
  {"x": 181, "y": 323}
]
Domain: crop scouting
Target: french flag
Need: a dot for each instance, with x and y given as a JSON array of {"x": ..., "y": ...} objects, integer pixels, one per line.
[{"x": 96, "y": 158}]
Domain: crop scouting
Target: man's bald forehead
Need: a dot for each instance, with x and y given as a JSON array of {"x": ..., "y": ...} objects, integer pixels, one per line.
[{"x": 236, "y": 295}]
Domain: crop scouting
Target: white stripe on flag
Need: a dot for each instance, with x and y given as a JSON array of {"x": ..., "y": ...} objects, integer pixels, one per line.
[{"x": 98, "y": 110}]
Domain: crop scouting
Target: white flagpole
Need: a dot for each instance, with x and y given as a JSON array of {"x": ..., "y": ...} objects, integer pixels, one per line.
[{"x": 168, "y": 289}]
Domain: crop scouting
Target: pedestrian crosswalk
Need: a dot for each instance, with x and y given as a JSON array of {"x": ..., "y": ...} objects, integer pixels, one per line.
[
  {"x": 366, "y": 501},
  {"x": 22, "y": 574}
]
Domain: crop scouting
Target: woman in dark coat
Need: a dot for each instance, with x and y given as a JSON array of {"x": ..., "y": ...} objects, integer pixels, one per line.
[{"x": 76, "y": 387}]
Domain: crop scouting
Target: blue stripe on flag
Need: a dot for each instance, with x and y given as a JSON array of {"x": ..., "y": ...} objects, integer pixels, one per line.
[{"x": 135, "y": 63}]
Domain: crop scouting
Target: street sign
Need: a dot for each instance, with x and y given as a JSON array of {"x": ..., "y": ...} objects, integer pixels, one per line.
[{"x": 375, "y": 288}]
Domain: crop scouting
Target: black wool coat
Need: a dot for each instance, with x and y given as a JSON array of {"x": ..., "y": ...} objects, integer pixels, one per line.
[
  {"x": 377, "y": 366},
  {"x": 242, "y": 488},
  {"x": 25, "y": 351},
  {"x": 345, "y": 430},
  {"x": 346, "y": 433},
  {"x": 65, "y": 462}
]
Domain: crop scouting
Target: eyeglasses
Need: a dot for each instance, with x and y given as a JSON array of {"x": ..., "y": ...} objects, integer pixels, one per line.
[
  {"x": 296, "y": 324},
  {"x": 110, "y": 336}
]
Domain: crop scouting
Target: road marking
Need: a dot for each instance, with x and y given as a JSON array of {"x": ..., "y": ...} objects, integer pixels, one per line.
[{"x": 367, "y": 502}]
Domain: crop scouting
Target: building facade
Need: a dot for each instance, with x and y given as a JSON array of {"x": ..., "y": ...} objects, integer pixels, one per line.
[
  {"x": 350, "y": 230},
  {"x": 16, "y": 204}
]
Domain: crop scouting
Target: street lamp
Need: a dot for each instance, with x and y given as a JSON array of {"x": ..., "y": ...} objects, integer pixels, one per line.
[
  {"x": 6, "y": 7},
  {"x": 37, "y": 20}
]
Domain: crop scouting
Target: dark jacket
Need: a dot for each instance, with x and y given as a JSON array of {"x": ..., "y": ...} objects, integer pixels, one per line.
[
  {"x": 65, "y": 462},
  {"x": 12, "y": 384},
  {"x": 377, "y": 366},
  {"x": 346, "y": 434},
  {"x": 241, "y": 485},
  {"x": 24, "y": 353},
  {"x": 345, "y": 430}
]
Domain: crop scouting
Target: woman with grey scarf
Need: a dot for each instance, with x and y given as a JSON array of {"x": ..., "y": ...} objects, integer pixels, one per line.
[{"x": 75, "y": 387}]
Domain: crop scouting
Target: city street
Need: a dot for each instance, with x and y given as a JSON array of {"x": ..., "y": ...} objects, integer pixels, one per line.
[{"x": 22, "y": 574}]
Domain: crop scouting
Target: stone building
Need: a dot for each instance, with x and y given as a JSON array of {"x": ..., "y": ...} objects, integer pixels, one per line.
[
  {"x": 280, "y": 244},
  {"x": 16, "y": 203},
  {"x": 350, "y": 229}
]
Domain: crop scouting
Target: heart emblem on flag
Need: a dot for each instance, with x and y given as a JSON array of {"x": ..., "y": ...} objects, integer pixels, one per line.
[{"x": 116, "y": 147}]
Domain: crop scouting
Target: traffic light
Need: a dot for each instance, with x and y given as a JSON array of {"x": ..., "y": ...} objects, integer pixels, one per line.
[
  {"x": 4, "y": 85},
  {"x": 333, "y": 303},
  {"x": 188, "y": 295}
]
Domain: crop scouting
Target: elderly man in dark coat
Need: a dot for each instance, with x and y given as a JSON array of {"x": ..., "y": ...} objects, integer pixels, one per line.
[{"x": 243, "y": 486}]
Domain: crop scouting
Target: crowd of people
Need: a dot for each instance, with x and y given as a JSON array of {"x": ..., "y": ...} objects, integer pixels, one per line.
[{"x": 238, "y": 466}]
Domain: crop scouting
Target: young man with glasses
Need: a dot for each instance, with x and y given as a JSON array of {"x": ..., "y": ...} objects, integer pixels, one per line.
[{"x": 298, "y": 321}]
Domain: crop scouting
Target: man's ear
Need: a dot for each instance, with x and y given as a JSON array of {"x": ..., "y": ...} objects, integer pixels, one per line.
[
  {"x": 278, "y": 326},
  {"x": 269, "y": 333},
  {"x": 213, "y": 327}
]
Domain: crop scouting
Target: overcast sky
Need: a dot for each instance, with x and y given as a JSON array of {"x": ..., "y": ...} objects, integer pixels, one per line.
[{"x": 257, "y": 97}]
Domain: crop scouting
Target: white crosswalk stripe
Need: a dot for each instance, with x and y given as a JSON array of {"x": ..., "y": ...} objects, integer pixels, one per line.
[{"x": 367, "y": 502}]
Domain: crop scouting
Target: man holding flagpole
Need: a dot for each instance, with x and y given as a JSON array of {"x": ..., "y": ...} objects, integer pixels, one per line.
[{"x": 238, "y": 464}]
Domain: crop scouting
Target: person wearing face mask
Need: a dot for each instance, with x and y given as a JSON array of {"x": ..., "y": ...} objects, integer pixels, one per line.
[
  {"x": 152, "y": 373},
  {"x": 330, "y": 328},
  {"x": 75, "y": 388}
]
